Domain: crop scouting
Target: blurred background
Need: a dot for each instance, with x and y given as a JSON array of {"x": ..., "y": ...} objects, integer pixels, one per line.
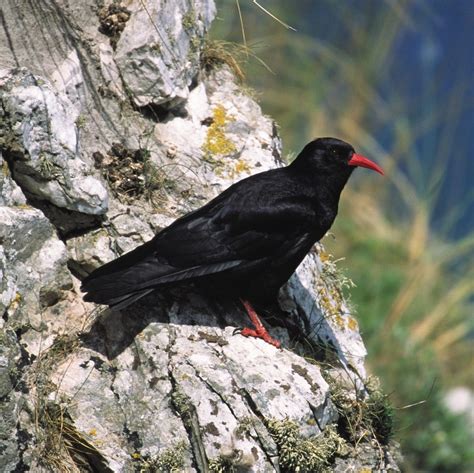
[{"x": 395, "y": 79}]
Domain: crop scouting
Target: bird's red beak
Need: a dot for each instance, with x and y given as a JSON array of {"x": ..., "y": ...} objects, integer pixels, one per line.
[{"x": 359, "y": 160}]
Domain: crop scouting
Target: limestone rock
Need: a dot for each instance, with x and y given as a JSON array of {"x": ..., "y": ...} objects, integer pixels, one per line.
[
  {"x": 41, "y": 140},
  {"x": 32, "y": 262},
  {"x": 157, "y": 65},
  {"x": 11, "y": 435}
]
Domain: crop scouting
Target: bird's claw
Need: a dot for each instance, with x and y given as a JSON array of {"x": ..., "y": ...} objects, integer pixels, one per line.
[
  {"x": 263, "y": 334},
  {"x": 237, "y": 331}
]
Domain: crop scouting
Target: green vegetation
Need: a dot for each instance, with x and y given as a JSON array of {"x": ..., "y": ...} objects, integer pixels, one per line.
[
  {"x": 131, "y": 173},
  {"x": 305, "y": 455},
  {"x": 414, "y": 287},
  {"x": 370, "y": 418},
  {"x": 81, "y": 121},
  {"x": 170, "y": 460},
  {"x": 221, "y": 464},
  {"x": 60, "y": 446}
]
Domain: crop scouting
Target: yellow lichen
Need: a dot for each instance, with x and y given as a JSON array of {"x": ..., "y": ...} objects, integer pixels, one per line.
[
  {"x": 323, "y": 256},
  {"x": 217, "y": 142},
  {"x": 352, "y": 323},
  {"x": 5, "y": 169},
  {"x": 330, "y": 291},
  {"x": 15, "y": 302},
  {"x": 339, "y": 321},
  {"x": 241, "y": 166}
]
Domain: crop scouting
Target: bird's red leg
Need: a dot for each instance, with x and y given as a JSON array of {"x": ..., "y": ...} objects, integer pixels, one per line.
[{"x": 260, "y": 331}]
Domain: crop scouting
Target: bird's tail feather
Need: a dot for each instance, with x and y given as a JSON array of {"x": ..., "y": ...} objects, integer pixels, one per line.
[
  {"x": 122, "y": 302},
  {"x": 124, "y": 286}
]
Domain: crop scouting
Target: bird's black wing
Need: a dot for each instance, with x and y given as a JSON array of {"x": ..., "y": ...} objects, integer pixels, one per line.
[{"x": 247, "y": 224}]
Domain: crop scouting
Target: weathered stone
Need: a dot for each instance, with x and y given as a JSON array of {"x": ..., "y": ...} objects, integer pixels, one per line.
[
  {"x": 32, "y": 262},
  {"x": 40, "y": 137},
  {"x": 10, "y": 192},
  {"x": 158, "y": 64}
]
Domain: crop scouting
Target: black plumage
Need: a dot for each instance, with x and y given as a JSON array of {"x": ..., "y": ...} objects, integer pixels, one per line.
[{"x": 247, "y": 241}]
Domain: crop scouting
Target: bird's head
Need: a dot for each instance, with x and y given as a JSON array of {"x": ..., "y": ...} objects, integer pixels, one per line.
[{"x": 333, "y": 156}]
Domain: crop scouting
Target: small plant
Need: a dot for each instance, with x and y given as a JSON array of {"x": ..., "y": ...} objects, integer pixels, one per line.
[
  {"x": 48, "y": 168},
  {"x": 364, "y": 419},
  {"x": 60, "y": 445},
  {"x": 221, "y": 464},
  {"x": 330, "y": 291},
  {"x": 81, "y": 121},
  {"x": 305, "y": 455},
  {"x": 245, "y": 427},
  {"x": 215, "y": 53},
  {"x": 112, "y": 21},
  {"x": 64, "y": 447},
  {"x": 189, "y": 20},
  {"x": 130, "y": 173},
  {"x": 170, "y": 460}
]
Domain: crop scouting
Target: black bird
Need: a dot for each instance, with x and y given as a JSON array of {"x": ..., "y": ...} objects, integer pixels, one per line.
[{"x": 246, "y": 242}]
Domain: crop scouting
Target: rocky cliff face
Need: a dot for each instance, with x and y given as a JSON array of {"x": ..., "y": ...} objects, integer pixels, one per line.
[{"x": 110, "y": 128}]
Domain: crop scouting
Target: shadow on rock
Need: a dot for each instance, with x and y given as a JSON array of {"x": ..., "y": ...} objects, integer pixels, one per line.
[{"x": 114, "y": 331}]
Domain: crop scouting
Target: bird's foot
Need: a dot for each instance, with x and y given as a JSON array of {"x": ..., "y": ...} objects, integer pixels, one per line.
[{"x": 260, "y": 333}]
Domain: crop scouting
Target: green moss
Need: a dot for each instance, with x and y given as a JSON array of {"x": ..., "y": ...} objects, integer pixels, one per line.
[
  {"x": 195, "y": 44},
  {"x": 81, "y": 121},
  {"x": 170, "y": 460},
  {"x": 181, "y": 403},
  {"x": 221, "y": 464},
  {"x": 305, "y": 455},
  {"x": 189, "y": 20},
  {"x": 245, "y": 427}
]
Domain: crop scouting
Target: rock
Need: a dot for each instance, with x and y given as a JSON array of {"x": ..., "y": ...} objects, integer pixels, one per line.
[
  {"x": 196, "y": 376},
  {"x": 10, "y": 192},
  {"x": 11, "y": 435},
  {"x": 41, "y": 143},
  {"x": 157, "y": 65},
  {"x": 32, "y": 262}
]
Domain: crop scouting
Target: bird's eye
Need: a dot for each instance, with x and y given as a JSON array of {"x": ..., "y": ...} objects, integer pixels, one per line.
[{"x": 333, "y": 151}]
